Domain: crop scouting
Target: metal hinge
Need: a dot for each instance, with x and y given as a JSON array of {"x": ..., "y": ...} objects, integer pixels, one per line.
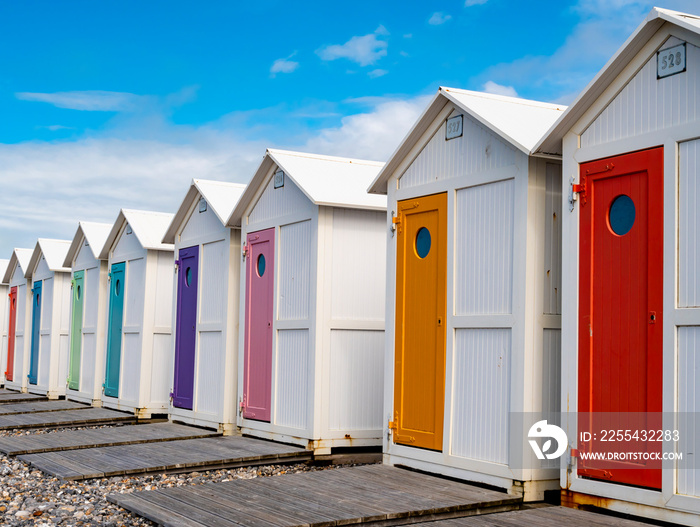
[
  {"x": 394, "y": 426},
  {"x": 177, "y": 265},
  {"x": 577, "y": 191},
  {"x": 241, "y": 406},
  {"x": 109, "y": 276},
  {"x": 245, "y": 251}
]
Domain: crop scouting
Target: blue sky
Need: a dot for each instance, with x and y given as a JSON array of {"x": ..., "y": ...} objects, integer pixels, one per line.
[{"x": 120, "y": 104}]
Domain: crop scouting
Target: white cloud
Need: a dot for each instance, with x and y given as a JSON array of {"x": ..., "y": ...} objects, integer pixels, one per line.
[
  {"x": 439, "y": 18},
  {"x": 364, "y": 50},
  {"x": 92, "y": 101},
  {"x": 371, "y": 135},
  {"x": 146, "y": 162},
  {"x": 498, "y": 89},
  {"x": 377, "y": 73},
  {"x": 57, "y": 127},
  {"x": 284, "y": 65},
  {"x": 469, "y": 3}
]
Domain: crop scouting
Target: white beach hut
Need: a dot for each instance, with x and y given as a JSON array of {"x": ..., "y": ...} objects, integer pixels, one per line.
[
  {"x": 311, "y": 341},
  {"x": 50, "y": 318},
  {"x": 205, "y": 312},
  {"x": 631, "y": 286},
  {"x": 5, "y": 301},
  {"x": 19, "y": 321},
  {"x": 473, "y": 280},
  {"x": 88, "y": 321},
  {"x": 138, "y": 355}
]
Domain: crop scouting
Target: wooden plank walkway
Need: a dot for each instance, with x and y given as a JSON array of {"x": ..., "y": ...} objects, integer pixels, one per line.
[
  {"x": 101, "y": 437},
  {"x": 67, "y": 418},
  {"x": 40, "y": 406},
  {"x": 541, "y": 516},
  {"x": 7, "y": 396},
  {"x": 172, "y": 456},
  {"x": 376, "y": 494}
]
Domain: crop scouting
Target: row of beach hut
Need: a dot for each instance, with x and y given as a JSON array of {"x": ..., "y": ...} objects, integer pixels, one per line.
[{"x": 512, "y": 258}]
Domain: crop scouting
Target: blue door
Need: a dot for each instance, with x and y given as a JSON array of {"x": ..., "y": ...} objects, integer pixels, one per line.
[
  {"x": 36, "y": 335},
  {"x": 114, "y": 330}
]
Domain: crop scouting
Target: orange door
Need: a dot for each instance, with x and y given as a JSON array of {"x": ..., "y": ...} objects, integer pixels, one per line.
[
  {"x": 421, "y": 270},
  {"x": 620, "y": 311}
]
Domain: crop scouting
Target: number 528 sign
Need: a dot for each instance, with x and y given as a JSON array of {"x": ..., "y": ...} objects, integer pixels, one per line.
[{"x": 670, "y": 61}]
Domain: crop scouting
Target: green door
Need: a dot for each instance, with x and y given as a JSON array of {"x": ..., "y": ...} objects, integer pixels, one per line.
[
  {"x": 114, "y": 331},
  {"x": 76, "y": 330}
]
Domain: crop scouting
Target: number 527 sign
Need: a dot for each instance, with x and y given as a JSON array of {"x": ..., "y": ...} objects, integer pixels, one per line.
[{"x": 670, "y": 61}]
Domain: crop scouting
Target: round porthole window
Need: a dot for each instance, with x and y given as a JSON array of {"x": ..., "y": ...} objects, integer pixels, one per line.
[
  {"x": 261, "y": 265},
  {"x": 423, "y": 242},
  {"x": 117, "y": 288},
  {"x": 622, "y": 215},
  {"x": 188, "y": 276},
  {"x": 78, "y": 292}
]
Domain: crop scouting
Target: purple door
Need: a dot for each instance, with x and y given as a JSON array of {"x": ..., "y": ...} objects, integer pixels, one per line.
[
  {"x": 257, "y": 359},
  {"x": 186, "y": 327}
]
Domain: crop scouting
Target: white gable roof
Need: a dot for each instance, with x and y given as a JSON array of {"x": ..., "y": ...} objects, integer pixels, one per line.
[
  {"x": 520, "y": 122},
  {"x": 95, "y": 234},
  {"x": 325, "y": 180},
  {"x": 221, "y": 196},
  {"x": 149, "y": 228},
  {"x": 550, "y": 143},
  {"x": 4, "y": 264},
  {"x": 19, "y": 257},
  {"x": 53, "y": 251}
]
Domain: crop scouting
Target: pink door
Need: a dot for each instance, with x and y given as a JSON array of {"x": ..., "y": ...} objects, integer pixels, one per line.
[{"x": 257, "y": 359}]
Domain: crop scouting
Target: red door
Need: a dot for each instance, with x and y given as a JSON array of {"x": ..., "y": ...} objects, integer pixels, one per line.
[
  {"x": 257, "y": 358},
  {"x": 11, "y": 335},
  {"x": 620, "y": 311}
]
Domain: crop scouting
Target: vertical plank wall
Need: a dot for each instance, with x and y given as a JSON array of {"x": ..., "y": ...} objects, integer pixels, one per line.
[
  {"x": 357, "y": 297},
  {"x": 162, "y": 356},
  {"x": 483, "y": 285}
]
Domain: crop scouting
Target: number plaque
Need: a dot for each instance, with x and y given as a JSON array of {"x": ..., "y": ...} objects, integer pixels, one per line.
[
  {"x": 453, "y": 128},
  {"x": 670, "y": 61}
]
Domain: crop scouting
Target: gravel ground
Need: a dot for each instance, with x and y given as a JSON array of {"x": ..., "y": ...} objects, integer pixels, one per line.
[{"x": 29, "y": 497}]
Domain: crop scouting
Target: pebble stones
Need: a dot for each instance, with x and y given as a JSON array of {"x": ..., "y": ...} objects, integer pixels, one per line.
[{"x": 29, "y": 497}]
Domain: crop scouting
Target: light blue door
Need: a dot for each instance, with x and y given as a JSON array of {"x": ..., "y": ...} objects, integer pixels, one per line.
[
  {"x": 114, "y": 331},
  {"x": 36, "y": 332}
]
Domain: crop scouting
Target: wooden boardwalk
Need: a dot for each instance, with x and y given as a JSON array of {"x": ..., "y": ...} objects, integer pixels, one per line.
[
  {"x": 68, "y": 418},
  {"x": 40, "y": 406},
  {"x": 376, "y": 494},
  {"x": 540, "y": 517},
  {"x": 7, "y": 396},
  {"x": 101, "y": 437},
  {"x": 172, "y": 456}
]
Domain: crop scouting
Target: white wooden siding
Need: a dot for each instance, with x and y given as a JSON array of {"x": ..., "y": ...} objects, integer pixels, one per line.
[
  {"x": 294, "y": 271},
  {"x": 481, "y": 400},
  {"x": 130, "y": 371},
  {"x": 164, "y": 290},
  {"x": 88, "y": 358},
  {"x": 84, "y": 258},
  {"x": 135, "y": 290},
  {"x": 356, "y": 380},
  {"x": 91, "y": 294},
  {"x": 552, "y": 240},
  {"x": 213, "y": 268},
  {"x": 292, "y": 376},
  {"x": 551, "y": 372},
  {"x": 127, "y": 245},
  {"x": 278, "y": 202},
  {"x": 689, "y": 224},
  {"x": 4, "y": 325},
  {"x": 689, "y": 407},
  {"x": 210, "y": 372},
  {"x": 46, "y": 301},
  {"x": 484, "y": 249},
  {"x": 161, "y": 369},
  {"x": 478, "y": 150},
  {"x": 647, "y": 104},
  {"x": 200, "y": 225},
  {"x": 359, "y": 265}
]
